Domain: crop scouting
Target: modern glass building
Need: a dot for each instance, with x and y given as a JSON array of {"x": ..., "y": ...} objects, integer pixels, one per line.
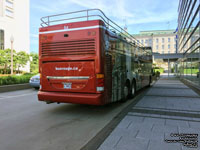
[{"x": 189, "y": 40}]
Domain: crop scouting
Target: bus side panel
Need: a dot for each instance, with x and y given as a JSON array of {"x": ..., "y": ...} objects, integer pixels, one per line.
[
  {"x": 119, "y": 75},
  {"x": 107, "y": 64}
]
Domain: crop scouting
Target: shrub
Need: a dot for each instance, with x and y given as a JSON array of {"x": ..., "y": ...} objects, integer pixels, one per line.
[
  {"x": 157, "y": 74},
  {"x": 15, "y": 79},
  {"x": 161, "y": 70}
]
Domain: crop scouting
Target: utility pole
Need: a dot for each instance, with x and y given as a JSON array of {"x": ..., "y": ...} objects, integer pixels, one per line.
[
  {"x": 151, "y": 44},
  {"x": 11, "y": 40}
]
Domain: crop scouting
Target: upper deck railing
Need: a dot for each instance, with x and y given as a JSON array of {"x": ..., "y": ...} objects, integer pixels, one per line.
[{"x": 85, "y": 15}]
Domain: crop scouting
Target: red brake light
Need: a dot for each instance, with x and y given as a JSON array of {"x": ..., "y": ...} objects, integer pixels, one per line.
[{"x": 100, "y": 82}]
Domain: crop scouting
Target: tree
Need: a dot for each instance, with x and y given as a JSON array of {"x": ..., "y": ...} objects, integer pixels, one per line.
[
  {"x": 2, "y": 59},
  {"x": 21, "y": 60},
  {"x": 34, "y": 63},
  {"x": 159, "y": 62},
  {"x": 5, "y": 59}
]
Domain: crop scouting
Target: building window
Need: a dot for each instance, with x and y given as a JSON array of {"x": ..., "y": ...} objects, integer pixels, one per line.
[
  {"x": 163, "y": 40},
  {"x": 157, "y": 47},
  {"x": 168, "y": 46},
  {"x": 9, "y": 4},
  {"x": 162, "y": 52},
  {"x": 146, "y": 41},
  {"x": 142, "y": 41},
  {"x": 184, "y": 39},
  {"x": 185, "y": 47},
  {"x": 1, "y": 39},
  {"x": 150, "y": 42},
  {"x": 157, "y": 40},
  {"x": 9, "y": 13},
  {"x": 168, "y": 52},
  {"x": 163, "y": 46},
  {"x": 168, "y": 39}
]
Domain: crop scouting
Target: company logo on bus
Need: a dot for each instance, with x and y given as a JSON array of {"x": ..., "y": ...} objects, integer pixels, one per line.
[{"x": 66, "y": 68}]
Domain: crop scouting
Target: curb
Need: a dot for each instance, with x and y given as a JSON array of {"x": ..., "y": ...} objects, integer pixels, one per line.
[
  {"x": 191, "y": 85},
  {"x": 101, "y": 136},
  {"x": 8, "y": 88}
]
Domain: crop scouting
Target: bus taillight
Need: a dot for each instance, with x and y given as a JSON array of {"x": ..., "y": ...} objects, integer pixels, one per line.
[{"x": 100, "y": 82}]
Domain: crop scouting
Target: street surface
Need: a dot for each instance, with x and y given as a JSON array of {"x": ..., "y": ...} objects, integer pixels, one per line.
[{"x": 26, "y": 124}]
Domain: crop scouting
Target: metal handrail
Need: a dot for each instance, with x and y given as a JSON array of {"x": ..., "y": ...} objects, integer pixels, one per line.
[{"x": 47, "y": 20}]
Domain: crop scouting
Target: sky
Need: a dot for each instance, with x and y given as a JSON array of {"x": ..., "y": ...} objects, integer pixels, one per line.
[{"x": 137, "y": 15}]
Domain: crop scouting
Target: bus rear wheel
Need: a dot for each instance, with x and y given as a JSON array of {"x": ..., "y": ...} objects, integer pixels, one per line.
[{"x": 149, "y": 84}]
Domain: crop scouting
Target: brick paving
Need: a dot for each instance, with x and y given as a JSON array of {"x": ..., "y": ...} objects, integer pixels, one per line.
[{"x": 168, "y": 107}]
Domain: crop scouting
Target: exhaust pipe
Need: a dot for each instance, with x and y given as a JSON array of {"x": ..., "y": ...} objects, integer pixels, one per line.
[{"x": 49, "y": 102}]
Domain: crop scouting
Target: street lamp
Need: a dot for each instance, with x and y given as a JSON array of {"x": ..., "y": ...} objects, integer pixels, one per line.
[
  {"x": 11, "y": 40},
  {"x": 152, "y": 41}
]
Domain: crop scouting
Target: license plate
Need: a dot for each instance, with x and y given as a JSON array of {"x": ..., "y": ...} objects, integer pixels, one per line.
[{"x": 67, "y": 85}]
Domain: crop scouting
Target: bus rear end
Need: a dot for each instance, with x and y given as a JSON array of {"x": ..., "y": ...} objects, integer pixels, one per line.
[{"x": 69, "y": 63}]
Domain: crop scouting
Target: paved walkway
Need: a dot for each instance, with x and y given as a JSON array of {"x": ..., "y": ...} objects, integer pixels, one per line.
[{"x": 168, "y": 107}]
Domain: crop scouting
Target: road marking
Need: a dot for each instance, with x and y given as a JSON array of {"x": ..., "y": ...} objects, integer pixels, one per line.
[{"x": 5, "y": 97}]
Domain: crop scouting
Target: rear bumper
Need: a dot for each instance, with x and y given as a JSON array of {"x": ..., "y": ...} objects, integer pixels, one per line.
[{"x": 78, "y": 98}]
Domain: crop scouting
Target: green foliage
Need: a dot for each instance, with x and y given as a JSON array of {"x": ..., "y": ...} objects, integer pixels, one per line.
[
  {"x": 157, "y": 74},
  {"x": 191, "y": 71},
  {"x": 15, "y": 79},
  {"x": 158, "y": 69},
  {"x": 161, "y": 70},
  {"x": 34, "y": 63},
  {"x": 154, "y": 65},
  {"x": 20, "y": 59},
  {"x": 5, "y": 59}
]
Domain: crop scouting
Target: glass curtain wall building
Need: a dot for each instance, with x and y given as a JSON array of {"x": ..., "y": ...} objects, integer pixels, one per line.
[{"x": 189, "y": 40}]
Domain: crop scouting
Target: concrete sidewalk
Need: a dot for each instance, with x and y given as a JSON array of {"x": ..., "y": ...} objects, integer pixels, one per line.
[{"x": 169, "y": 107}]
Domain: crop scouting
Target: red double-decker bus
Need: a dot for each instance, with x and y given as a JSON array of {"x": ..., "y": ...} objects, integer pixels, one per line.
[{"x": 89, "y": 59}]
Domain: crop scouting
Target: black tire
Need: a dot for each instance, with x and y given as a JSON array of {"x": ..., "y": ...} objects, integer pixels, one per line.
[{"x": 150, "y": 80}]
